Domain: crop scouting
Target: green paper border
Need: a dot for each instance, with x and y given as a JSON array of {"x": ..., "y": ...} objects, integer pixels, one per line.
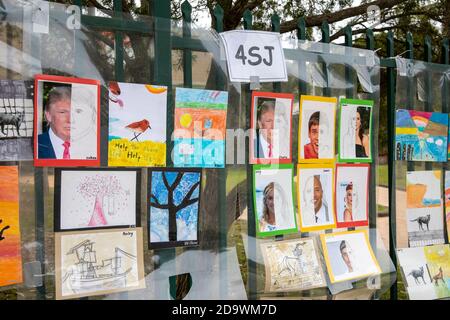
[
  {"x": 276, "y": 232},
  {"x": 368, "y": 103}
]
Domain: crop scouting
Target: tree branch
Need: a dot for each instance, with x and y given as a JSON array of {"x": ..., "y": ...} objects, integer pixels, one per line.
[
  {"x": 332, "y": 17},
  {"x": 186, "y": 203},
  {"x": 159, "y": 206},
  {"x": 166, "y": 183},
  {"x": 191, "y": 191},
  {"x": 177, "y": 181}
]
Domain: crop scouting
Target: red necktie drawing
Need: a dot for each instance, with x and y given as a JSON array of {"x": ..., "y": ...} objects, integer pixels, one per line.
[
  {"x": 66, "y": 153},
  {"x": 270, "y": 150}
]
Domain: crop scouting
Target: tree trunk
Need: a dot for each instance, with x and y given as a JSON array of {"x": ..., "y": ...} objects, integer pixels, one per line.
[{"x": 98, "y": 218}]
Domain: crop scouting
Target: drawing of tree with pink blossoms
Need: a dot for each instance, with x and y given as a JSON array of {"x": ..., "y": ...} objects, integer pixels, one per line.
[{"x": 99, "y": 187}]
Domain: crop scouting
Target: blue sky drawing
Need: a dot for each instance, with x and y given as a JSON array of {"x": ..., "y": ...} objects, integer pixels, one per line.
[{"x": 200, "y": 95}]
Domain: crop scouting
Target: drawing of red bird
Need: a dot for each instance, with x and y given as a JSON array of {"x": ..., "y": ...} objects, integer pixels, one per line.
[
  {"x": 138, "y": 128},
  {"x": 114, "y": 90}
]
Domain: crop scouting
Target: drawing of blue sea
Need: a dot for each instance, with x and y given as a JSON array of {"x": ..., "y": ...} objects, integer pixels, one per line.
[
  {"x": 186, "y": 217},
  {"x": 202, "y": 153},
  {"x": 431, "y": 202}
]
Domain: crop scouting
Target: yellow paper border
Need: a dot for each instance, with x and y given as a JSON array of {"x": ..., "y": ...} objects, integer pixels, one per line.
[
  {"x": 327, "y": 258},
  {"x": 320, "y": 99},
  {"x": 316, "y": 166}
]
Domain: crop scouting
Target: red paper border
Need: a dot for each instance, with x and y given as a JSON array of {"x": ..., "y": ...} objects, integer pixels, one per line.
[
  {"x": 62, "y": 162},
  {"x": 360, "y": 223},
  {"x": 252, "y": 159}
]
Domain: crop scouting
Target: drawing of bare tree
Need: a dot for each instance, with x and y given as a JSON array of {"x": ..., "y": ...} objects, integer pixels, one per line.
[{"x": 171, "y": 205}]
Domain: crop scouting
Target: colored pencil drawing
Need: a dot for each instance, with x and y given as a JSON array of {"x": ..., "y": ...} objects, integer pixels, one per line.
[
  {"x": 271, "y": 124},
  {"x": 349, "y": 255},
  {"x": 96, "y": 198},
  {"x": 424, "y": 208},
  {"x": 317, "y": 129},
  {"x": 292, "y": 265},
  {"x": 273, "y": 200},
  {"x": 16, "y": 120},
  {"x": 98, "y": 262},
  {"x": 137, "y": 124},
  {"x": 421, "y": 136},
  {"x": 200, "y": 124},
  {"x": 174, "y": 202},
  {"x": 355, "y": 129},
  {"x": 352, "y": 190},
  {"x": 67, "y": 121},
  {"x": 10, "y": 240},
  {"x": 426, "y": 271}
]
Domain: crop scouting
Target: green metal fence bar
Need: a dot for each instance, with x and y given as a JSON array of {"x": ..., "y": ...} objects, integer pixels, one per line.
[
  {"x": 445, "y": 109},
  {"x": 251, "y": 221},
  {"x": 275, "y": 26},
  {"x": 410, "y": 88},
  {"x": 325, "y": 29},
  {"x": 162, "y": 75},
  {"x": 391, "y": 160},
  {"x": 428, "y": 86},
  {"x": 186, "y": 10},
  {"x": 220, "y": 82}
]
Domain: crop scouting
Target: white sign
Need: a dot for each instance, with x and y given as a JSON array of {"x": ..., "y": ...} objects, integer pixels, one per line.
[{"x": 254, "y": 54}]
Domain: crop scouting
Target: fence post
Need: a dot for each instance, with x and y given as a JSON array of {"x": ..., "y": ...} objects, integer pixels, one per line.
[
  {"x": 325, "y": 29},
  {"x": 391, "y": 159},
  {"x": 275, "y": 25},
  {"x": 251, "y": 222},
  {"x": 445, "y": 109},
  {"x": 162, "y": 75},
  {"x": 186, "y": 10}
]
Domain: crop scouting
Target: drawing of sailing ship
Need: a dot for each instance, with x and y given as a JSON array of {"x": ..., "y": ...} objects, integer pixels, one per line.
[{"x": 88, "y": 275}]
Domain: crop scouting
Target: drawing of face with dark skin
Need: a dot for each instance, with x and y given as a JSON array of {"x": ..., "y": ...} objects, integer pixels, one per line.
[
  {"x": 313, "y": 135},
  {"x": 318, "y": 194}
]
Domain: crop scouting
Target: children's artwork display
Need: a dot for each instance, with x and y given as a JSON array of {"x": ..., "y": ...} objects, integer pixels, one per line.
[
  {"x": 10, "y": 244},
  {"x": 137, "y": 125},
  {"x": 355, "y": 130},
  {"x": 424, "y": 208},
  {"x": 271, "y": 124},
  {"x": 96, "y": 198},
  {"x": 96, "y": 262},
  {"x": 352, "y": 195},
  {"x": 348, "y": 255},
  {"x": 426, "y": 271},
  {"x": 447, "y": 202},
  {"x": 67, "y": 121},
  {"x": 292, "y": 265},
  {"x": 315, "y": 196},
  {"x": 421, "y": 136},
  {"x": 16, "y": 120},
  {"x": 200, "y": 126},
  {"x": 273, "y": 199},
  {"x": 174, "y": 207},
  {"x": 317, "y": 128}
]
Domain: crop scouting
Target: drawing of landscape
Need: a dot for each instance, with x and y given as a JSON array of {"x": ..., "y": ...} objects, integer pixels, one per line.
[
  {"x": 16, "y": 120},
  {"x": 424, "y": 208},
  {"x": 421, "y": 136},
  {"x": 174, "y": 208},
  {"x": 100, "y": 198},
  {"x": 137, "y": 124},
  {"x": 292, "y": 266},
  {"x": 99, "y": 262},
  {"x": 200, "y": 124}
]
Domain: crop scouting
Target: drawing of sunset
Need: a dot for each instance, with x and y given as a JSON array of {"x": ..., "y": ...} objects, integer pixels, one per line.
[{"x": 10, "y": 254}]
